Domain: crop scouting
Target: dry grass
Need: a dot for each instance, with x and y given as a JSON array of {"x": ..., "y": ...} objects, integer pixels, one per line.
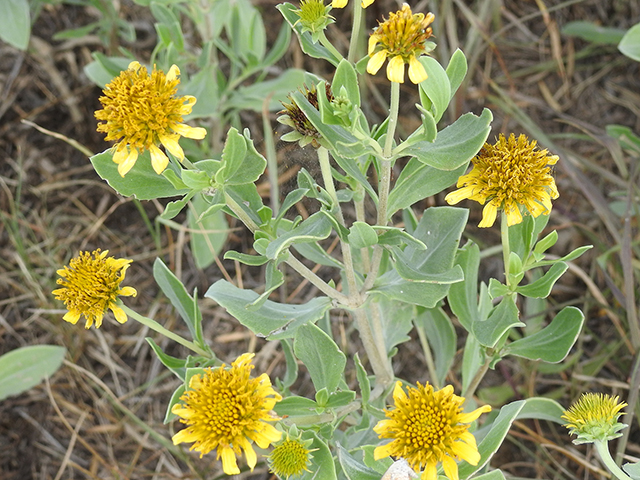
[{"x": 101, "y": 415}]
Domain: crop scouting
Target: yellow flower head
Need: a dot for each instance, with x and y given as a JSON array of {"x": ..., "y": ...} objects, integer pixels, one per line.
[
  {"x": 91, "y": 285},
  {"x": 427, "y": 427},
  {"x": 141, "y": 112},
  {"x": 595, "y": 417},
  {"x": 303, "y": 130},
  {"x": 511, "y": 174},
  {"x": 226, "y": 409},
  {"x": 314, "y": 16},
  {"x": 401, "y": 39},
  {"x": 290, "y": 457}
]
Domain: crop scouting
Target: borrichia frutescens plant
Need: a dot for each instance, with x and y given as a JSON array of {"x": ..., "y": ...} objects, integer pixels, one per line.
[{"x": 396, "y": 271}]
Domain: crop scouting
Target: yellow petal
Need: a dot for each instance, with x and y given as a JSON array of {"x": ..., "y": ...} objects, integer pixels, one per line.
[
  {"x": 120, "y": 153},
  {"x": 229, "y": 464},
  {"x": 467, "y": 452},
  {"x": 170, "y": 142},
  {"x": 512, "y": 211},
  {"x": 417, "y": 73},
  {"x": 128, "y": 292},
  {"x": 250, "y": 453},
  {"x": 450, "y": 467},
  {"x": 339, "y": 3},
  {"x": 267, "y": 436},
  {"x": 184, "y": 436},
  {"x": 459, "y": 195},
  {"x": 185, "y": 109},
  {"x": 118, "y": 312},
  {"x": 159, "y": 160},
  {"x": 430, "y": 472},
  {"x": 489, "y": 214},
  {"x": 383, "y": 451},
  {"x": 243, "y": 359},
  {"x": 174, "y": 72},
  {"x": 366, "y": 3},
  {"x": 471, "y": 416},
  {"x": 135, "y": 65},
  {"x": 395, "y": 69},
  {"x": 197, "y": 133},
  {"x": 398, "y": 393},
  {"x": 373, "y": 41},
  {"x": 71, "y": 317},
  {"x": 128, "y": 162},
  {"x": 376, "y": 61}
]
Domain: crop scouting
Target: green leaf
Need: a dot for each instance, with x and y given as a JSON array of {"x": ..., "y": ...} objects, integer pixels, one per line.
[
  {"x": 502, "y": 318},
  {"x": 463, "y": 296},
  {"x": 593, "y": 33},
  {"x": 270, "y": 92},
  {"x": 104, "y": 69},
  {"x": 346, "y": 77},
  {"x": 456, "y": 145},
  {"x": 169, "y": 416},
  {"x": 167, "y": 18},
  {"x": 280, "y": 46},
  {"x": 395, "y": 236},
  {"x": 350, "y": 166},
  {"x": 542, "y": 408},
  {"x": 418, "y": 181},
  {"x": 314, "y": 50},
  {"x": 362, "y": 235},
  {"x": 363, "y": 379},
  {"x": 290, "y": 200},
  {"x": 175, "y": 365},
  {"x": 141, "y": 182},
  {"x": 205, "y": 88},
  {"x": 295, "y": 406},
  {"x": 353, "y": 468},
  {"x": 456, "y": 70},
  {"x": 493, "y": 438},
  {"x": 492, "y": 475},
  {"x": 541, "y": 288},
  {"x": 320, "y": 354},
  {"x": 632, "y": 469},
  {"x": 15, "y": 23},
  {"x": 473, "y": 357},
  {"x": 273, "y": 279},
  {"x": 252, "y": 260},
  {"x": 185, "y": 304},
  {"x": 208, "y": 232},
  {"x": 442, "y": 338},
  {"x": 272, "y": 320},
  {"x": 436, "y": 87},
  {"x": 241, "y": 162},
  {"x": 25, "y": 367},
  {"x": 553, "y": 343},
  {"x": 440, "y": 230},
  {"x": 316, "y": 227},
  {"x": 291, "y": 372},
  {"x": 322, "y": 463}
]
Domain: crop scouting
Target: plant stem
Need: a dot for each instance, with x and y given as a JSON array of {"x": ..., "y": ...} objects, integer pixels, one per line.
[
  {"x": 329, "y": 46},
  {"x": 155, "y": 326},
  {"x": 374, "y": 347},
  {"x": 240, "y": 213},
  {"x": 315, "y": 280},
  {"x": 431, "y": 366},
  {"x": 506, "y": 249},
  {"x": 361, "y": 217},
  {"x": 327, "y": 177},
  {"x": 602, "y": 448},
  {"x": 471, "y": 389},
  {"x": 356, "y": 31},
  {"x": 632, "y": 401},
  {"x": 384, "y": 184}
]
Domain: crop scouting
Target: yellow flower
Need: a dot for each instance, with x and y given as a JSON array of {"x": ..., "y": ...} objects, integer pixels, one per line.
[
  {"x": 343, "y": 3},
  {"x": 401, "y": 39},
  {"x": 225, "y": 409},
  {"x": 595, "y": 417},
  {"x": 509, "y": 175},
  {"x": 91, "y": 285},
  {"x": 428, "y": 427},
  {"x": 291, "y": 456},
  {"x": 141, "y": 112}
]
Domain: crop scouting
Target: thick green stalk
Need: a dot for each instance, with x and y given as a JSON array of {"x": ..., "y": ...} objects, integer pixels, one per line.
[
  {"x": 384, "y": 183},
  {"x": 155, "y": 326},
  {"x": 602, "y": 448},
  {"x": 356, "y": 30},
  {"x": 329, "y": 46},
  {"x": 327, "y": 177}
]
